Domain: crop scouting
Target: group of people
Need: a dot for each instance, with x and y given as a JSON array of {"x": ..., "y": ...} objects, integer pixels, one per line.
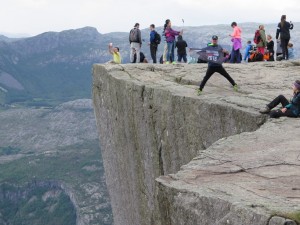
[{"x": 263, "y": 43}]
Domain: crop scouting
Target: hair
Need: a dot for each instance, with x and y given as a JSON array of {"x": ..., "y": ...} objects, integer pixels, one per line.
[
  {"x": 290, "y": 45},
  {"x": 298, "y": 83},
  {"x": 152, "y": 25},
  {"x": 261, "y": 26},
  {"x": 233, "y": 24},
  {"x": 269, "y": 35},
  {"x": 166, "y": 23},
  {"x": 248, "y": 42},
  {"x": 117, "y": 48},
  {"x": 282, "y": 20},
  {"x": 179, "y": 38},
  {"x": 137, "y": 24}
]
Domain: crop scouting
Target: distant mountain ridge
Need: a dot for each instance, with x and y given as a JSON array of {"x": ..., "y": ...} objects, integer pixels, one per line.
[{"x": 54, "y": 67}]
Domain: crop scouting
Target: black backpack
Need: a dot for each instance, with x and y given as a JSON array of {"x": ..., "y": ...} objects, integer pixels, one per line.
[
  {"x": 134, "y": 35},
  {"x": 157, "y": 38}
]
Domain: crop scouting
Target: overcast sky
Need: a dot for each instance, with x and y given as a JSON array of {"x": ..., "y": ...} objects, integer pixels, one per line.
[{"x": 37, "y": 16}]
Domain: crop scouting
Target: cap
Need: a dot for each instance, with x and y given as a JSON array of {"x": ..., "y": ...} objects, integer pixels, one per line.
[{"x": 214, "y": 37}]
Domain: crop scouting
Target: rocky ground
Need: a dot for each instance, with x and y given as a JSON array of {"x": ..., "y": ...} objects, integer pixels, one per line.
[{"x": 246, "y": 178}]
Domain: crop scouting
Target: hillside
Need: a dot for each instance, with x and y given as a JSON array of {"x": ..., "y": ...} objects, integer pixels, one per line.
[
  {"x": 52, "y": 67},
  {"x": 51, "y": 170}
]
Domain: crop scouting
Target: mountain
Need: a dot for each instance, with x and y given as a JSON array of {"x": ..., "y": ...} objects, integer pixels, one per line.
[
  {"x": 51, "y": 170},
  {"x": 54, "y": 67}
]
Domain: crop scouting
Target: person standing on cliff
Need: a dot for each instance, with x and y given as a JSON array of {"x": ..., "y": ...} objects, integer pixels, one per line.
[
  {"x": 283, "y": 29},
  {"x": 135, "y": 40},
  {"x": 153, "y": 42},
  {"x": 216, "y": 67},
  {"x": 237, "y": 43}
]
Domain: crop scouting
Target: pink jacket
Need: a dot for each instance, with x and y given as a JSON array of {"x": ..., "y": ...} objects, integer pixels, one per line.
[{"x": 236, "y": 32}]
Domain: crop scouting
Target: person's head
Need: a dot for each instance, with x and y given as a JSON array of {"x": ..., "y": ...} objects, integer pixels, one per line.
[
  {"x": 290, "y": 45},
  {"x": 214, "y": 39},
  {"x": 282, "y": 20},
  {"x": 233, "y": 24},
  {"x": 296, "y": 86},
  {"x": 179, "y": 38},
  {"x": 116, "y": 49},
  {"x": 152, "y": 27},
  {"x": 269, "y": 37},
  {"x": 137, "y": 25},
  {"x": 169, "y": 24},
  {"x": 261, "y": 27},
  {"x": 249, "y": 42},
  {"x": 166, "y": 23}
]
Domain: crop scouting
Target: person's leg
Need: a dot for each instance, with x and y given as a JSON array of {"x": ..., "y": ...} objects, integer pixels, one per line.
[
  {"x": 165, "y": 52},
  {"x": 132, "y": 52},
  {"x": 137, "y": 49},
  {"x": 179, "y": 57},
  {"x": 232, "y": 56},
  {"x": 153, "y": 53},
  {"x": 172, "y": 51},
  {"x": 184, "y": 58},
  {"x": 278, "y": 113},
  {"x": 279, "y": 99},
  {"x": 210, "y": 71},
  {"x": 238, "y": 56},
  {"x": 169, "y": 51},
  {"x": 224, "y": 73},
  {"x": 284, "y": 48}
]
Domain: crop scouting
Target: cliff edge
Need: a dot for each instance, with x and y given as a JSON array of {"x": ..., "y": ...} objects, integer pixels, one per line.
[{"x": 213, "y": 161}]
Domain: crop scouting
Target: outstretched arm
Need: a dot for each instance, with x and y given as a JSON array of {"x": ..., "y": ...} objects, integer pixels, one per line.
[{"x": 110, "y": 48}]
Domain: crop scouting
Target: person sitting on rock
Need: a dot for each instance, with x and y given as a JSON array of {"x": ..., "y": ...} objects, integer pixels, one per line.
[
  {"x": 142, "y": 57},
  {"x": 115, "y": 53},
  {"x": 290, "y": 109}
]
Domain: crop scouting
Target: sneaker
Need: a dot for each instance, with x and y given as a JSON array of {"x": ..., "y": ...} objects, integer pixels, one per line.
[
  {"x": 265, "y": 110},
  {"x": 199, "y": 92},
  {"x": 167, "y": 62},
  {"x": 235, "y": 87},
  {"x": 174, "y": 63}
]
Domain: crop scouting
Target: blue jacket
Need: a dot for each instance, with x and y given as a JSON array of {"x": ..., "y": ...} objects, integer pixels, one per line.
[
  {"x": 294, "y": 106},
  {"x": 247, "y": 51},
  {"x": 152, "y": 36}
]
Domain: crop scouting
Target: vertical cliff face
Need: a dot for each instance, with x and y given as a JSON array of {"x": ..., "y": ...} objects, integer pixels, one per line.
[{"x": 151, "y": 123}]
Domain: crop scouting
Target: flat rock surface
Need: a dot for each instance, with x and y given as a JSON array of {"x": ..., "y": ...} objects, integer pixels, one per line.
[{"x": 260, "y": 169}]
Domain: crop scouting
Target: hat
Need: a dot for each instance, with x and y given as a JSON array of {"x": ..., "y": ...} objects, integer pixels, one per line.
[{"x": 214, "y": 37}]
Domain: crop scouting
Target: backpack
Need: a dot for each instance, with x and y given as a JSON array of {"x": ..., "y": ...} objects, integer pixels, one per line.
[
  {"x": 257, "y": 37},
  {"x": 157, "y": 38},
  {"x": 133, "y": 35}
]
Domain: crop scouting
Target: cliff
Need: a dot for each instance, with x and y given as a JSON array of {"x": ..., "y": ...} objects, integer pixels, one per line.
[{"x": 151, "y": 123}]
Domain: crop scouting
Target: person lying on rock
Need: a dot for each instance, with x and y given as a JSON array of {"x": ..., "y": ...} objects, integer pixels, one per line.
[{"x": 290, "y": 109}]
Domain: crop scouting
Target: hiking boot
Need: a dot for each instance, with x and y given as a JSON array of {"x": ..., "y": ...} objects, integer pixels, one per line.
[
  {"x": 199, "y": 91},
  {"x": 235, "y": 87},
  {"x": 265, "y": 110}
]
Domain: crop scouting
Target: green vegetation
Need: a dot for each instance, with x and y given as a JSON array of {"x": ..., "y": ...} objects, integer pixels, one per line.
[
  {"x": 9, "y": 150},
  {"x": 33, "y": 207},
  {"x": 67, "y": 165}
]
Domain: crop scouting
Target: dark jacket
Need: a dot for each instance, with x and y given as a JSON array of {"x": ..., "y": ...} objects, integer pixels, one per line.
[
  {"x": 181, "y": 45},
  {"x": 294, "y": 106},
  {"x": 218, "y": 48},
  {"x": 270, "y": 46},
  {"x": 137, "y": 38},
  {"x": 284, "y": 31}
]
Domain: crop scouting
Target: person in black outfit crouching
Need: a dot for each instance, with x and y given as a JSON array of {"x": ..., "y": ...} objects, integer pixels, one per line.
[{"x": 290, "y": 109}]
